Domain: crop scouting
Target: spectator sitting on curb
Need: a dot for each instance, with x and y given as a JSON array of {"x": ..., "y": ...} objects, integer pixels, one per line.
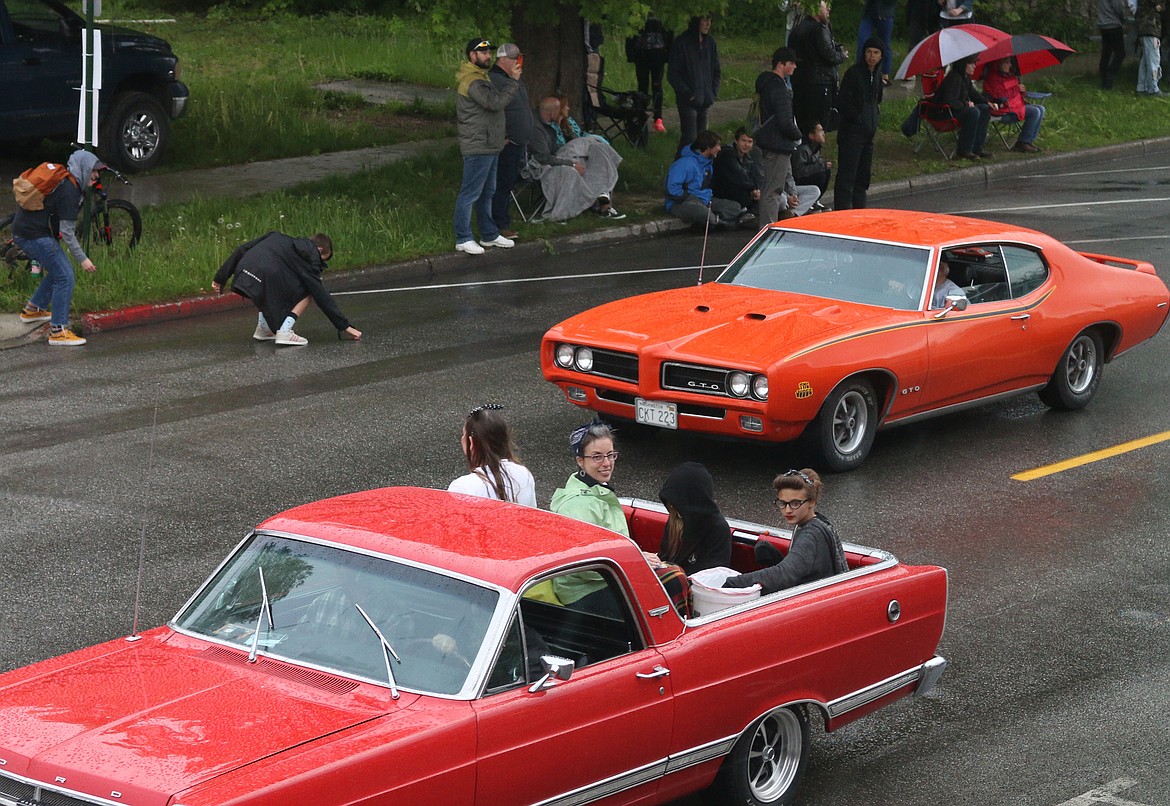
[
  {"x": 809, "y": 166},
  {"x": 739, "y": 174},
  {"x": 688, "y": 188},
  {"x": 575, "y": 176},
  {"x": 281, "y": 275}
]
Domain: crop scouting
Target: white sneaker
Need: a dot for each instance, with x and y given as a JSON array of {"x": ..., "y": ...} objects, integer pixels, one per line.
[
  {"x": 263, "y": 334},
  {"x": 500, "y": 241},
  {"x": 469, "y": 247},
  {"x": 289, "y": 338}
]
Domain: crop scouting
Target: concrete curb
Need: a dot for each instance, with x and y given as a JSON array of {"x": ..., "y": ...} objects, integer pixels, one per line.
[{"x": 14, "y": 333}]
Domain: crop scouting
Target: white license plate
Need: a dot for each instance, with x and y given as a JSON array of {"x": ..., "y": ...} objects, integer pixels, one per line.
[{"x": 655, "y": 412}]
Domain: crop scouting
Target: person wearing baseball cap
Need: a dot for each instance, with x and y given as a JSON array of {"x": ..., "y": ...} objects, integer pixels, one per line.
[
  {"x": 479, "y": 114},
  {"x": 517, "y": 132}
]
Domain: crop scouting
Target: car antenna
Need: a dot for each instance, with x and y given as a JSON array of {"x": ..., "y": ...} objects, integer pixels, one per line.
[
  {"x": 134, "y": 636},
  {"x": 703, "y": 256}
]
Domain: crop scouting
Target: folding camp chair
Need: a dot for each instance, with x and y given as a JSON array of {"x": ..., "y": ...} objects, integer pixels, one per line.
[
  {"x": 614, "y": 114},
  {"x": 936, "y": 120},
  {"x": 1004, "y": 127},
  {"x": 528, "y": 198}
]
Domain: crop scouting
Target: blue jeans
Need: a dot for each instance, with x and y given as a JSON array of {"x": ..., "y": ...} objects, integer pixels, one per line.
[
  {"x": 1150, "y": 67},
  {"x": 479, "y": 185},
  {"x": 56, "y": 288},
  {"x": 1033, "y": 117},
  {"x": 883, "y": 27}
]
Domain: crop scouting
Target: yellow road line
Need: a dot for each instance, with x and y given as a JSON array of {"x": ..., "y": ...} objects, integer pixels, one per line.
[{"x": 1088, "y": 458}]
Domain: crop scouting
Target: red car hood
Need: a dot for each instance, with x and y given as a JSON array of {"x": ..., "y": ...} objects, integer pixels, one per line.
[
  {"x": 719, "y": 321},
  {"x": 150, "y": 719}
]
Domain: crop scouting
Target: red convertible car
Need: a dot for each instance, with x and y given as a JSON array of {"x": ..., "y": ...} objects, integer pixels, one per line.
[
  {"x": 403, "y": 646},
  {"x": 831, "y": 326}
]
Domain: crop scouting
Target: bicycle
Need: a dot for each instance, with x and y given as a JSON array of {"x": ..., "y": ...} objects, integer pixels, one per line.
[{"x": 115, "y": 224}]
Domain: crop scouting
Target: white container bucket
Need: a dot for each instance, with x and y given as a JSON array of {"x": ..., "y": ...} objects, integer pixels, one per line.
[{"x": 707, "y": 597}]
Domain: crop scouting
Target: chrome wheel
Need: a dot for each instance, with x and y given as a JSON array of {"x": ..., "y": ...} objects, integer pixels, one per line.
[
  {"x": 1081, "y": 363},
  {"x": 850, "y": 421},
  {"x": 774, "y": 755}
]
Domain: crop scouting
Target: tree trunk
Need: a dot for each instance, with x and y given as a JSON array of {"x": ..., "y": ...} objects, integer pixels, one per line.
[{"x": 554, "y": 55}]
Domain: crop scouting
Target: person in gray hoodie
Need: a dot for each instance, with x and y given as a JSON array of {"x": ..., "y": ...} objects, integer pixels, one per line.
[
  {"x": 1111, "y": 16},
  {"x": 35, "y": 233}
]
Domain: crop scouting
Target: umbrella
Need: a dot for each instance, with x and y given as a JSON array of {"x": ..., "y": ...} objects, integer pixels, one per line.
[
  {"x": 1031, "y": 51},
  {"x": 949, "y": 45}
]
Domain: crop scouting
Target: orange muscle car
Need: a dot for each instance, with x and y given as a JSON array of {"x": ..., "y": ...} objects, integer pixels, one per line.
[{"x": 828, "y": 327}]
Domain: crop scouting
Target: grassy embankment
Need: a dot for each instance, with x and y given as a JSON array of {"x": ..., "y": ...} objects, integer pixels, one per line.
[{"x": 253, "y": 98}]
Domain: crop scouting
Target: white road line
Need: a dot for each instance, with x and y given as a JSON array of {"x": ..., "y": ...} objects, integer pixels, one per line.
[
  {"x": 1106, "y": 793},
  {"x": 1096, "y": 173},
  {"x": 517, "y": 280},
  {"x": 1118, "y": 240},
  {"x": 1093, "y": 203}
]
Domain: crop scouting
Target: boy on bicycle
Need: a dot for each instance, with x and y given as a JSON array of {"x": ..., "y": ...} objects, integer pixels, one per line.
[{"x": 35, "y": 232}]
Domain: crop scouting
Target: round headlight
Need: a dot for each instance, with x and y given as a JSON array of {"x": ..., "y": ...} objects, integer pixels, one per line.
[
  {"x": 564, "y": 355},
  {"x": 737, "y": 384},
  {"x": 584, "y": 359},
  {"x": 760, "y": 387}
]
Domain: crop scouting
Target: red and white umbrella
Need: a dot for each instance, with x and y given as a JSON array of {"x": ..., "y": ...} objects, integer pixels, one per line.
[
  {"x": 947, "y": 46},
  {"x": 1031, "y": 51}
]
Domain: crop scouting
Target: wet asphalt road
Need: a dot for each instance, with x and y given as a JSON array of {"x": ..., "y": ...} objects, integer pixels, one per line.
[{"x": 189, "y": 433}]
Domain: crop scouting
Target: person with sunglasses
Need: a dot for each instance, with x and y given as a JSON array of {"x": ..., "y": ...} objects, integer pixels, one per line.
[
  {"x": 815, "y": 551},
  {"x": 496, "y": 471}
]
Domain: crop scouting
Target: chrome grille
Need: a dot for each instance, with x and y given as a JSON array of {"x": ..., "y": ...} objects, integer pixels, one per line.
[
  {"x": 15, "y": 792},
  {"x": 619, "y": 366},
  {"x": 699, "y": 380}
]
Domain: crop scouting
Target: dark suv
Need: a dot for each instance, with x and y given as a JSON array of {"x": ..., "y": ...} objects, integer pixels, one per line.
[{"x": 40, "y": 76}]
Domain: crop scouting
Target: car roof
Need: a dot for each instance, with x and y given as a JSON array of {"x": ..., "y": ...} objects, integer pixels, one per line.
[
  {"x": 494, "y": 541},
  {"x": 911, "y": 227}
]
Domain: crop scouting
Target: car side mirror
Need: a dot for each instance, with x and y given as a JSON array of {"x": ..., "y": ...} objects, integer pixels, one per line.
[
  {"x": 555, "y": 668},
  {"x": 955, "y": 302}
]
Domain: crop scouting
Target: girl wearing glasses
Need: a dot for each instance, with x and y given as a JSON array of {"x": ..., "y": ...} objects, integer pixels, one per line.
[
  {"x": 496, "y": 471},
  {"x": 696, "y": 536},
  {"x": 815, "y": 552},
  {"x": 587, "y": 494}
]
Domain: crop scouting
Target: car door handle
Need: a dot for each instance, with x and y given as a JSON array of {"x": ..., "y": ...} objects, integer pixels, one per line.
[
  {"x": 1021, "y": 316},
  {"x": 659, "y": 671}
]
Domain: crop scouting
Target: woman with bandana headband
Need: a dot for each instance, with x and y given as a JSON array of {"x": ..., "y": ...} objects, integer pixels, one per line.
[
  {"x": 815, "y": 551},
  {"x": 496, "y": 471}
]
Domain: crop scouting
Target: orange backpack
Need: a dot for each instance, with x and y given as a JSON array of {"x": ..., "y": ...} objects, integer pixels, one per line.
[{"x": 32, "y": 186}]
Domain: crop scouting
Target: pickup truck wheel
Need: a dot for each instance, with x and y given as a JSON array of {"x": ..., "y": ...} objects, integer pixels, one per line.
[
  {"x": 1078, "y": 374},
  {"x": 135, "y": 132},
  {"x": 843, "y": 431},
  {"x": 768, "y": 761}
]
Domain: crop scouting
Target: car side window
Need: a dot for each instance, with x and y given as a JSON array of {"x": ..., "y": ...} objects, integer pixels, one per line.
[
  {"x": 980, "y": 272},
  {"x": 590, "y": 629},
  {"x": 1026, "y": 268},
  {"x": 33, "y": 22}
]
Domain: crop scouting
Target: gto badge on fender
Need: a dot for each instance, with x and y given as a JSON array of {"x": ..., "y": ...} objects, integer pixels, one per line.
[{"x": 803, "y": 390}]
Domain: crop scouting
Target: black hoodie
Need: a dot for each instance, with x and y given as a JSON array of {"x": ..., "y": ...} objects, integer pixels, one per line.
[
  {"x": 706, "y": 540},
  {"x": 861, "y": 93}
]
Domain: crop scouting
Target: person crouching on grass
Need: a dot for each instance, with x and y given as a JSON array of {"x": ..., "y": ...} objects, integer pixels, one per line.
[{"x": 281, "y": 275}]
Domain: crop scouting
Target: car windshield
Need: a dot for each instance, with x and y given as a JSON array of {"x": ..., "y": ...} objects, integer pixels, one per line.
[
  {"x": 435, "y": 624},
  {"x": 837, "y": 268}
]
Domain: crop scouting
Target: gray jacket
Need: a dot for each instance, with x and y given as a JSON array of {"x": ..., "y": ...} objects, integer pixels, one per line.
[
  {"x": 543, "y": 146},
  {"x": 479, "y": 110},
  {"x": 1112, "y": 13}
]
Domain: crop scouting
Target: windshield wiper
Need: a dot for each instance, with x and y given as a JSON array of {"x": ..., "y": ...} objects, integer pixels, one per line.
[
  {"x": 387, "y": 651},
  {"x": 265, "y": 610}
]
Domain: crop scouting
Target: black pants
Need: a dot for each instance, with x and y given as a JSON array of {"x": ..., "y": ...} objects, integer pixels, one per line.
[
  {"x": 507, "y": 177},
  {"x": 649, "y": 72},
  {"x": 811, "y": 104},
  {"x": 854, "y": 167},
  {"x": 1112, "y": 54}
]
